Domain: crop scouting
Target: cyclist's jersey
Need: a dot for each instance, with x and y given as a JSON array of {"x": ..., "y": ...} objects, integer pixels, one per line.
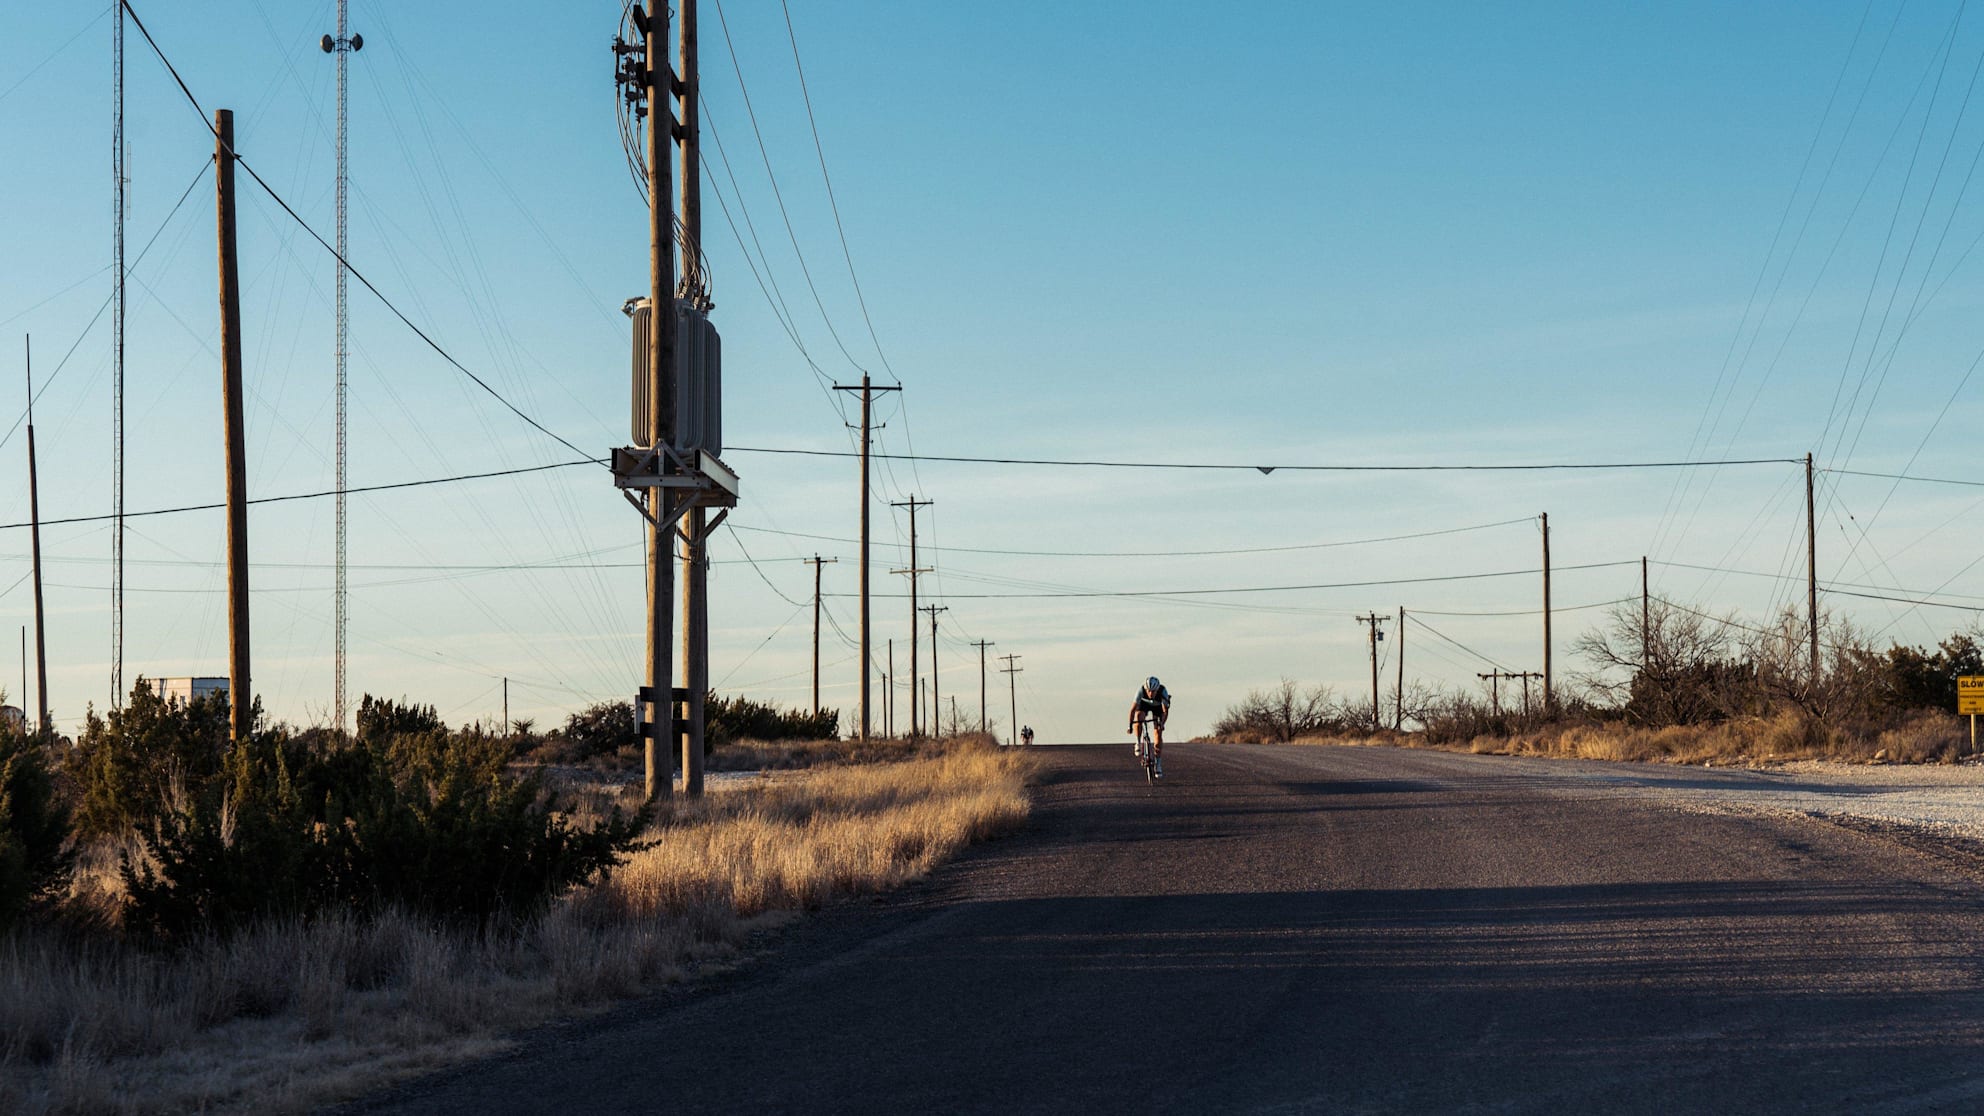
[{"x": 1157, "y": 703}]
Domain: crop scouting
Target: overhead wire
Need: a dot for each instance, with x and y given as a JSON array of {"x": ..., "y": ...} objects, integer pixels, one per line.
[
  {"x": 314, "y": 235},
  {"x": 751, "y": 112},
  {"x": 198, "y": 175},
  {"x": 1265, "y": 469}
]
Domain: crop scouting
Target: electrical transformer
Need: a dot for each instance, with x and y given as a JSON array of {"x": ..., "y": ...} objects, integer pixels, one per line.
[{"x": 698, "y": 378}]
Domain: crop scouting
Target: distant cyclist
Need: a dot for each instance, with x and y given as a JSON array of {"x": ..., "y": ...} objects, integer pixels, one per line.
[
  {"x": 1026, "y": 735},
  {"x": 1153, "y": 702}
]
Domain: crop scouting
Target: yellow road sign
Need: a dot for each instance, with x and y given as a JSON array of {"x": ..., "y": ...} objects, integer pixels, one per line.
[{"x": 1970, "y": 693}]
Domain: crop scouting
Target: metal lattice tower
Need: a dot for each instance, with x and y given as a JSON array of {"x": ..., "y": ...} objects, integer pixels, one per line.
[
  {"x": 341, "y": 46},
  {"x": 117, "y": 377}
]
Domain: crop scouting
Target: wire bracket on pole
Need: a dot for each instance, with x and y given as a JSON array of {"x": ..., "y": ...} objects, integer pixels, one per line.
[{"x": 698, "y": 480}]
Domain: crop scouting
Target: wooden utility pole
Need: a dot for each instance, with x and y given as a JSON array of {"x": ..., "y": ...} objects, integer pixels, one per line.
[
  {"x": 1549, "y": 693},
  {"x": 1494, "y": 678},
  {"x": 816, "y": 562},
  {"x": 868, "y": 390},
  {"x": 915, "y": 722},
  {"x": 506, "y": 707},
  {"x": 34, "y": 536},
  {"x": 1646, "y": 618},
  {"x": 936, "y": 695},
  {"x": 889, "y": 695},
  {"x": 1012, "y": 668},
  {"x": 240, "y": 692},
  {"x": 658, "y": 84},
  {"x": 1398, "y": 711},
  {"x": 695, "y": 523},
  {"x": 1376, "y": 633},
  {"x": 1812, "y": 568},
  {"x": 982, "y": 645},
  {"x": 1525, "y": 675}
]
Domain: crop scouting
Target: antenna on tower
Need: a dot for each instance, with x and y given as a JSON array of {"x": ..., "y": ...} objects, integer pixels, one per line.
[
  {"x": 341, "y": 45},
  {"x": 117, "y": 156}
]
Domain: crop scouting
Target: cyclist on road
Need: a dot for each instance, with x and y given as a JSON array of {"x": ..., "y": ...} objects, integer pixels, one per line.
[
  {"x": 1026, "y": 735},
  {"x": 1153, "y": 702}
]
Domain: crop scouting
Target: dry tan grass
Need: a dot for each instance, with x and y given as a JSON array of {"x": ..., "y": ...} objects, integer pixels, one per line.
[
  {"x": 1787, "y": 735},
  {"x": 291, "y": 1016}
]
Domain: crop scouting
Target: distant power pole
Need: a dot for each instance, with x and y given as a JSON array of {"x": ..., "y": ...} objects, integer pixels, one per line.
[
  {"x": 1812, "y": 568},
  {"x": 1494, "y": 678},
  {"x": 1012, "y": 668},
  {"x": 1398, "y": 711},
  {"x": 915, "y": 721},
  {"x": 816, "y": 562},
  {"x": 889, "y": 695},
  {"x": 34, "y": 534},
  {"x": 506, "y": 707},
  {"x": 868, "y": 390},
  {"x": 982, "y": 645},
  {"x": 1525, "y": 675},
  {"x": 1646, "y": 618},
  {"x": 240, "y": 695},
  {"x": 1376, "y": 633},
  {"x": 1549, "y": 694},
  {"x": 936, "y": 695}
]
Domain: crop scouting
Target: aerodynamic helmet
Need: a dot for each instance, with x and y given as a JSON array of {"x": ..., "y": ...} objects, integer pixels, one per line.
[{"x": 1152, "y": 684}]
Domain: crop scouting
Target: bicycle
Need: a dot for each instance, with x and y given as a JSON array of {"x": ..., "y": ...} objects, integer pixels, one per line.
[{"x": 1146, "y": 749}]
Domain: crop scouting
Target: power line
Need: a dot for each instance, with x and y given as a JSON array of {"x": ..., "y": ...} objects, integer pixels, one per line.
[
  {"x": 335, "y": 254},
  {"x": 1903, "y": 477},
  {"x": 1268, "y": 588},
  {"x": 752, "y": 114},
  {"x": 1528, "y": 611},
  {"x": 1265, "y": 469},
  {"x": 767, "y": 580},
  {"x": 1457, "y": 643},
  {"x": 109, "y": 298},
  {"x": 316, "y": 495},
  {"x": 1164, "y": 553},
  {"x": 832, "y": 203}
]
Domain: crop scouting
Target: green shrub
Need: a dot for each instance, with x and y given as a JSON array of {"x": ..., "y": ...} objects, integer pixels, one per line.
[
  {"x": 437, "y": 823},
  {"x": 740, "y": 718},
  {"x": 597, "y": 730},
  {"x": 432, "y": 822},
  {"x": 384, "y": 718},
  {"x": 129, "y": 767},
  {"x": 34, "y": 825},
  {"x": 237, "y": 846}
]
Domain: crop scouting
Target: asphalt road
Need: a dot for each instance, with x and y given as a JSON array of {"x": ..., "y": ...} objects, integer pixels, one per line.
[{"x": 1328, "y": 930}]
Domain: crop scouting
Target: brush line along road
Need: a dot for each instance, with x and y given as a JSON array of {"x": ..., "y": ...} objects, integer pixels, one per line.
[{"x": 1330, "y": 930}]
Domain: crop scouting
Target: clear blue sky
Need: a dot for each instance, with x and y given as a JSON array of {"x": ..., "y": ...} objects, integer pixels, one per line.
[{"x": 1265, "y": 233}]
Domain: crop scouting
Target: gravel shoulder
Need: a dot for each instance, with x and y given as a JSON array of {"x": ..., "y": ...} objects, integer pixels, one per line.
[{"x": 1940, "y": 799}]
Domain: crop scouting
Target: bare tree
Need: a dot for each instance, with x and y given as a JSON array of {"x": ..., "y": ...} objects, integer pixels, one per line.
[
  {"x": 1285, "y": 711},
  {"x": 1850, "y": 674},
  {"x": 1669, "y": 665}
]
